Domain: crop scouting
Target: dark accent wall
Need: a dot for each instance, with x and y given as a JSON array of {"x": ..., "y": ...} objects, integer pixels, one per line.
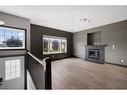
[
  {"x": 112, "y": 34},
  {"x": 37, "y": 33}
]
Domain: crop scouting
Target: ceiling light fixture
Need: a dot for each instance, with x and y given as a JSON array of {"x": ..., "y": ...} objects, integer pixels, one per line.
[
  {"x": 2, "y": 22},
  {"x": 84, "y": 20}
]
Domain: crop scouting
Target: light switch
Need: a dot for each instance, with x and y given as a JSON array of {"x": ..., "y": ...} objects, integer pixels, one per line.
[
  {"x": 113, "y": 47},
  {"x": 122, "y": 60}
]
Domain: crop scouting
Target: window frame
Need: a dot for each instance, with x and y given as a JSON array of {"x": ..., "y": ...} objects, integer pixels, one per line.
[
  {"x": 25, "y": 39},
  {"x": 55, "y": 37}
]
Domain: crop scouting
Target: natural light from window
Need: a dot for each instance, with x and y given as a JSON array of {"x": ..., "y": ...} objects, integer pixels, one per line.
[
  {"x": 12, "y": 69},
  {"x": 53, "y": 44},
  {"x": 11, "y": 38}
]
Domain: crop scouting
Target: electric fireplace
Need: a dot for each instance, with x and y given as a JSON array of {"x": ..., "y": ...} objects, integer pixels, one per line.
[{"x": 94, "y": 53}]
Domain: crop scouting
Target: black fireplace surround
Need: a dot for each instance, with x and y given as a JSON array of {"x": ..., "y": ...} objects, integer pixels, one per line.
[{"x": 95, "y": 53}]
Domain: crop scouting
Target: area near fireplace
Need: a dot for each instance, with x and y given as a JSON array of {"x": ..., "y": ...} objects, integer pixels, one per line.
[{"x": 95, "y": 51}]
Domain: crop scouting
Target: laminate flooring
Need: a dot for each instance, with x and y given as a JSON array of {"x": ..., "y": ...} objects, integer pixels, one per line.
[{"x": 75, "y": 73}]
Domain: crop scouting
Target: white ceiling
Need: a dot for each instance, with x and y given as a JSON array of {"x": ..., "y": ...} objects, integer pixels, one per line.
[{"x": 67, "y": 18}]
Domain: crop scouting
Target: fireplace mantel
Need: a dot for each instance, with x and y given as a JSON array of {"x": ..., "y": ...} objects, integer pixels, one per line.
[{"x": 95, "y": 45}]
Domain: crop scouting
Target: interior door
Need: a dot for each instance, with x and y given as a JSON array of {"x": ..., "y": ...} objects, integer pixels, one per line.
[{"x": 12, "y": 72}]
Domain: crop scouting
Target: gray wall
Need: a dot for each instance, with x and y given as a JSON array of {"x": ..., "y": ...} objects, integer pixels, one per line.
[
  {"x": 112, "y": 34},
  {"x": 37, "y": 33},
  {"x": 13, "y": 83},
  {"x": 17, "y": 22},
  {"x": 93, "y": 38}
]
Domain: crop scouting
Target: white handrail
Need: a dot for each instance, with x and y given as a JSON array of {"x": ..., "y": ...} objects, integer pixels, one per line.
[{"x": 41, "y": 62}]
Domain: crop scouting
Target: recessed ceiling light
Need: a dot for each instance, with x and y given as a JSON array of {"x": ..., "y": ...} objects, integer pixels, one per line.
[{"x": 2, "y": 22}]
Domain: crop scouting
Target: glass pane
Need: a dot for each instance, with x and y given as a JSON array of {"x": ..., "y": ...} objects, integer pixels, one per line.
[
  {"x": 1, "y": 32},
  {"x": 52, "y": 44},
  {"x": 7, "y": 38},
  {"x": 55, "y": 45},
  {"x": 14, "y": 42},
  {"x": 2, "y": 44},
  {"x": 20, "y": 34},
  {"x": 2, "y": 38},
  {"x": 45, "y": 45},
  {"x": 14, "y": 33},
  {"x": 7, "y": 32},
  {"x": 63, "y": 46},
  {"x": 21, "y": 38},
  {"x": 12, "y": 38}
]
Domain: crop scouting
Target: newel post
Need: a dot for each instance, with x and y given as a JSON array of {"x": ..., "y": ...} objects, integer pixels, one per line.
[{"x": 48, "y": 74}]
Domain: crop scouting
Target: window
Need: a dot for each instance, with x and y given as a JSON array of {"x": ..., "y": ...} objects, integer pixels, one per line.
[
  {"x": 52, "y": 44},
  {"x": 11, "y": 38}
]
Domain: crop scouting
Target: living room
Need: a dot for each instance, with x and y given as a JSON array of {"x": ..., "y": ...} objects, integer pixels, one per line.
[{"x": 85, "y": 47}]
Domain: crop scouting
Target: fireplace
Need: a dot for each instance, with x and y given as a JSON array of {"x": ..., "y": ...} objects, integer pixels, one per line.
[{"x": 94, "y": 53}]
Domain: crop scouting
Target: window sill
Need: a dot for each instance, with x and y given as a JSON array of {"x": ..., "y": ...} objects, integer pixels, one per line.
[{"x": 55, "y": 53}]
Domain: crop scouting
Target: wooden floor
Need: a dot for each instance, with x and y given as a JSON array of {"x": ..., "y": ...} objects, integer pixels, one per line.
[{"x": 74, "y": 73}]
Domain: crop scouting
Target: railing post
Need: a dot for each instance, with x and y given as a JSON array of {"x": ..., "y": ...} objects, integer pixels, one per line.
[{"x": 48, "y": 74}]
